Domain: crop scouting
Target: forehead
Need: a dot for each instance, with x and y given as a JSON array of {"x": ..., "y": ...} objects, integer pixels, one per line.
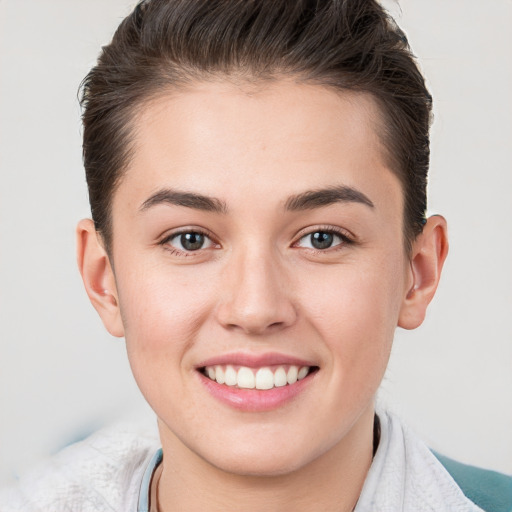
[{"x": 232, "y": 140}]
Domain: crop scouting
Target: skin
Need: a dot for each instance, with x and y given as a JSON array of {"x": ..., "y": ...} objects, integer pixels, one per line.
[{"x": 260, "y": 287}]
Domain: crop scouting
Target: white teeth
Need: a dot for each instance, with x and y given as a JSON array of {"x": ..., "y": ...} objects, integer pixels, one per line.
[
  {"x": 280, "y": 378},
  {"x": 245, "y": 378},
  {"x": 230, "y": 376},
  {"x": 302, "y": 372},
  {"x": 263, "y": 378},
  {"x": 291, "y": 376},
  {"x": 219, "y": 375}
]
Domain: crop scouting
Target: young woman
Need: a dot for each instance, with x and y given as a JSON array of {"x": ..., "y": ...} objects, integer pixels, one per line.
[{"x": 257, "y": 174}]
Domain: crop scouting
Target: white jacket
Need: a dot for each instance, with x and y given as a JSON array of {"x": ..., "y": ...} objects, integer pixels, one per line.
[{"x": 104, "y": 473}]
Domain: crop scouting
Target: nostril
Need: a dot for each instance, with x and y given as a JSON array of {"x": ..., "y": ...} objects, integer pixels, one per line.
[{"x": 255, "y": 303}]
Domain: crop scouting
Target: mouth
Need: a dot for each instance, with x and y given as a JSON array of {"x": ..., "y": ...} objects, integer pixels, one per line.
[
  {"x": 256, "y": 382},
  {"x": 263, "y": 378}
]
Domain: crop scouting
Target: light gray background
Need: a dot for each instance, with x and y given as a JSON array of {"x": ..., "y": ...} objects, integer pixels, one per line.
[{"x": 61, "y": 374}]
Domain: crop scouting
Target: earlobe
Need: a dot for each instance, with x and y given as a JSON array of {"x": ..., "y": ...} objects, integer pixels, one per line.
[
  {"x": 98, "y": 276},
  {"x": 429, "y": 252}
]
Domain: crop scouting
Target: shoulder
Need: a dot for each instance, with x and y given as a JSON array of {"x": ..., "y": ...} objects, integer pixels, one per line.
[
  {"x": 100, "y": 473},
  {"x": 406, "y": 476},
  {"x": 490, "y": 490}
]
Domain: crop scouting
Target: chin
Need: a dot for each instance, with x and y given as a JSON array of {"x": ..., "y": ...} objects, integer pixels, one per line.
[
  {"x": 268, "y": 465},
  {"x": 278, "y": 457}
]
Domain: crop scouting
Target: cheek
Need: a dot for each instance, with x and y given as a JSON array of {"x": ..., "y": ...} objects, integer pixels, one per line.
[
  {"x": 162, "y": 312},
  {"x": 355, "y": 308}
]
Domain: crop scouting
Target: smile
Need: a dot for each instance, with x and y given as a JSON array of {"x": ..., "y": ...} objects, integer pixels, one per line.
[
  {"x": 257, "y": 382},
  {"x": 264, "y": 378}
]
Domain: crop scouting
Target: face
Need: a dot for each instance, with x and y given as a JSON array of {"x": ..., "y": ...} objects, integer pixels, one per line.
[{"x": 260, "y": 270}]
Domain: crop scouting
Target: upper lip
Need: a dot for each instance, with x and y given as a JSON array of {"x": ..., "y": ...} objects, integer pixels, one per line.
[{"x": 255, "y": 360}]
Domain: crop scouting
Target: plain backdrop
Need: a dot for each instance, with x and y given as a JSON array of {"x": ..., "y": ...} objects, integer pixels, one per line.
[{"x": 62, "y": 375}]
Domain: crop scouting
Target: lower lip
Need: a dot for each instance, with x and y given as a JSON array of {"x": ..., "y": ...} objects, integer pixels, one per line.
[{"x": 255, "y": 400}]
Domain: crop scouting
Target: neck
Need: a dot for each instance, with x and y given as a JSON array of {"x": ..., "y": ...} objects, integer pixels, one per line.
[{"x": 331, "y": 482}]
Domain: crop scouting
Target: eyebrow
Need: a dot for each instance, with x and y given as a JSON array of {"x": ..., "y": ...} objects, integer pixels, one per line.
[
  {"x": 187, "y": 199},
  {"x": 324, "y": 197},
  {"x": 308, "y": 200}
]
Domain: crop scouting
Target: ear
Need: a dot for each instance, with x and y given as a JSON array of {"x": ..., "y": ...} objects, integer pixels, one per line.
[
  {"x": 429, "y": 252},
  {"x": 98, "y": 276}
]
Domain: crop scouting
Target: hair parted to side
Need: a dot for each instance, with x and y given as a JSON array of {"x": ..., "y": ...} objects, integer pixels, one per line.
[{"x": 343, "y": 44}]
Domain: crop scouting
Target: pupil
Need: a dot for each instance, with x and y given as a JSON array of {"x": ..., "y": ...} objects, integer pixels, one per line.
[
  {"x": 192, "y": 241},
  {"x": 321, "y": 240}
]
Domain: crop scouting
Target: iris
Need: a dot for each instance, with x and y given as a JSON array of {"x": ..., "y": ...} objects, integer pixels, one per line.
[
  {"x": 321, "y": 239},
  {"x": 192, "y": 241}
]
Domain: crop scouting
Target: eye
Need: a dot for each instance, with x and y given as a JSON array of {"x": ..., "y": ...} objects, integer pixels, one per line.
[
  {"x": 189, "y": 241},
  {"x": 322, "y": 239}
]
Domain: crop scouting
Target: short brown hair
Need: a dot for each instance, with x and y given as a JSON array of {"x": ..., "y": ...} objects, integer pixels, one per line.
[{"x": 344, "y": 44}]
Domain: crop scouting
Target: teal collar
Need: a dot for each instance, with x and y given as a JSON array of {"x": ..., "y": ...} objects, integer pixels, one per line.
[
  {"x": 145, "y": 485},
  {"x": 490, "y": 490}
]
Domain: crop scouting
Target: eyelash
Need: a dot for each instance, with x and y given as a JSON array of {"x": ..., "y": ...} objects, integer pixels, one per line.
[
  {"x": 346, "y": 238},
  {"x": 342, "y": 234},
  {"x": 165, "y": 242}
]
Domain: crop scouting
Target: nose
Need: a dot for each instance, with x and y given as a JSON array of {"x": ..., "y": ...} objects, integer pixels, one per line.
[{"x": 257, "y": 298}]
